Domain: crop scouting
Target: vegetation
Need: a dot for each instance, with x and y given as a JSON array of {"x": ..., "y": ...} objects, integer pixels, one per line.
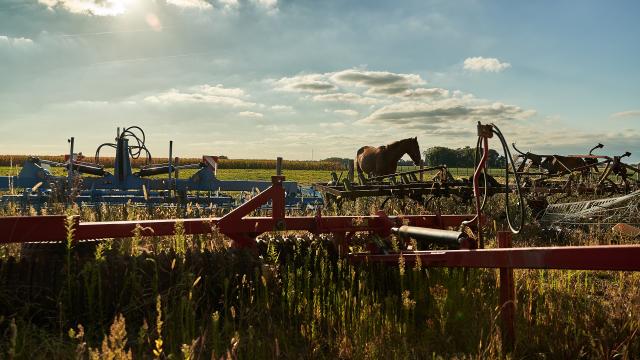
[
  {"x": 460, "y": 158},
  {"x": 189, "y": 297},
  {"x": 224, "y": 163}
]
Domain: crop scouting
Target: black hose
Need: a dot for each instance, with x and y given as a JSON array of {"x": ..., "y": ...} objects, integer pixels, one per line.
[
  {"x": 507, "y": 155},
  {"x": 484, "y": 171},
  {"x": 97, "y": 157},
  {"x": 134, "y": 150}
]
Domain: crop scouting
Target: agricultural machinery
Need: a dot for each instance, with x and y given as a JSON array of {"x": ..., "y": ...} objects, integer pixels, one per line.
[
  {"x": 152, "y": 184},
  {"x": 542, "y": 177},
  {"x": 583, "y": 174}
]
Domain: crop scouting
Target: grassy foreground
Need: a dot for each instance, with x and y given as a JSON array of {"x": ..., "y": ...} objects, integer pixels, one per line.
[{"x": 188, "y": 297}]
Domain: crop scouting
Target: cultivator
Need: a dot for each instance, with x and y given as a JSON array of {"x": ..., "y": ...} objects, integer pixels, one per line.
[
  {"x": 153, "y": 184},
  {"x": 578, "y": 174},
  {"x": 556, "y": 175},
  {"x": 407, "y": 184}
]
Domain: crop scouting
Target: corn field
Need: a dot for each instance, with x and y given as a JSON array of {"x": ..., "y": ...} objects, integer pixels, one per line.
[{"x": 108, "y": 162}]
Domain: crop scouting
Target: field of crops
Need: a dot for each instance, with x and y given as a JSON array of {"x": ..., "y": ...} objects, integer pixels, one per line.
[
  {"x": 8, "y": 160},
  {"x": 189, "y": 297}
]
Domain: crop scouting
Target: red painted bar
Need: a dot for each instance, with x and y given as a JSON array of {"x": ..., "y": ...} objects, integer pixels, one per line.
[
  {"x": 18, "y": 229},
  {"x": 52, "y": 228},
  {"x": 610, "y": 257},
  {"x": 507, "y": 297}
]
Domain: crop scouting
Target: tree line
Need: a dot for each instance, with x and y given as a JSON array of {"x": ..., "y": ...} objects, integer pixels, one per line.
[{"x": 460, "y": 157}]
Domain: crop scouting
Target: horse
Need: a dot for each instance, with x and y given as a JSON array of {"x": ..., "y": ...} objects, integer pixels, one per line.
[{"x": 383, "y": 160}]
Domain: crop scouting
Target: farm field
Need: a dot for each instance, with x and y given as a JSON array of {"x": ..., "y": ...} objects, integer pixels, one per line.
[{"x": 303, "y": 177}]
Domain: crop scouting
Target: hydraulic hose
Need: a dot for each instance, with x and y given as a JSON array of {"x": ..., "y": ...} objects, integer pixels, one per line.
[{"x": 507, "y": 155}]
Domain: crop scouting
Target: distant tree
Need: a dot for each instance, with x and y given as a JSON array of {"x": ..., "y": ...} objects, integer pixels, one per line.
[
  {"x": 461, "y": 157},
  {"x": 440, "y": 155}
]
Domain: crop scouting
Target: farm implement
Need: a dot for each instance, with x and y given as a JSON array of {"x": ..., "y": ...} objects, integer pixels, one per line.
[
  {"x": 152, "y": 184},
  {"x": 406, "y": 184},
  {"x": 542, "y": 177},
  {"x": 579, "y": 174}
]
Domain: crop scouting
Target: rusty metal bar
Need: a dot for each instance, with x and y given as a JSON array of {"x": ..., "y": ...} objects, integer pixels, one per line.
[
  {"x": 507, "y": 297},
  {"x": 278, "y": 166},
  {"x": 606, "y": 257},
  {"x": 19, "y": 229}
]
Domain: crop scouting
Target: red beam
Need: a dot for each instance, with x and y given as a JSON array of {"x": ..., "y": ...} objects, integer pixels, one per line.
[
  {"x": 612, "y": 257},
  {"x": 507, "y": 297},
  {"x": 19, "y": 229}
]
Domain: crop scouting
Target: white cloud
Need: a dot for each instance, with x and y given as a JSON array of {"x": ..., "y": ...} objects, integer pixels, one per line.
[
  {"x": 251, "y": 114},
  {"x": 194, "y": 4},
  {"x": 310, "y": 83},
  {"x": 229, "y": 4},
  {"x": 452, "y": 113},
  {"x": 421, "y": 93},
  {"x": 347, "y": 112},
  {"x": 485, "y": 64},
  {"x": 626, "y": 114},
  {"x": 349, "y": 98},
  {"x": 333, "y": 125},
  {"x": 88, "y": 7},
  {"x": 283, "y": 108},
  {"x": 378, "y": 82},
  {"x": 270, "y": 5},
  {"x": 20, "y": 42},
  {"x": 204, "y": 94}
]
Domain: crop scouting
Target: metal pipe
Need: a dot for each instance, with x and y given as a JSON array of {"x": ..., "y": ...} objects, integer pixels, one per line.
[
  {"x": 436, "y": 236},
  {"x": 507, "y": 296},
  {"x": 70, "y": 168},
  {"x": 279, "y": 166},
  {"x": 476, "y": 188},
  {"x": 170, "y": 163}
]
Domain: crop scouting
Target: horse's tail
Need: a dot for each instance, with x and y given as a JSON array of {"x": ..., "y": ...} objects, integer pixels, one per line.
[{"x": 358, "y": 168}]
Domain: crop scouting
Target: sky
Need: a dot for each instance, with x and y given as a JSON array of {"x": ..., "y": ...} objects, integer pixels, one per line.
[{"x": 309, "y": 79}]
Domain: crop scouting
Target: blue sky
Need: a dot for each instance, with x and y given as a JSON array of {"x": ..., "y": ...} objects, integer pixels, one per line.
[{"x": 267, "y": 78}]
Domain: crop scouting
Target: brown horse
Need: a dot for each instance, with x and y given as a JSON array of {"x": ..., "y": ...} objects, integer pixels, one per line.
[{"x": 383, "y": 160}]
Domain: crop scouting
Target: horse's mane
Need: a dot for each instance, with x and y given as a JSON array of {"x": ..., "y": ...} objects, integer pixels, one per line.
[{"x": 398, "y": 142}]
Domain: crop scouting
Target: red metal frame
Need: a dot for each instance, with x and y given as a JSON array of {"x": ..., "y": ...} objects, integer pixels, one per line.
[
  {"x": 609, "y": 257},
  {"x": 236, "y": 225}
]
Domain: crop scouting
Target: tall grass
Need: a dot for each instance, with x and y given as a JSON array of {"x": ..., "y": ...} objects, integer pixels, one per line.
[{"x": 190, "y": 297}]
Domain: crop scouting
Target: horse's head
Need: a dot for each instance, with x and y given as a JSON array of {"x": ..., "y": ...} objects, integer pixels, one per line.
[{"x": 414, "y": 151}]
